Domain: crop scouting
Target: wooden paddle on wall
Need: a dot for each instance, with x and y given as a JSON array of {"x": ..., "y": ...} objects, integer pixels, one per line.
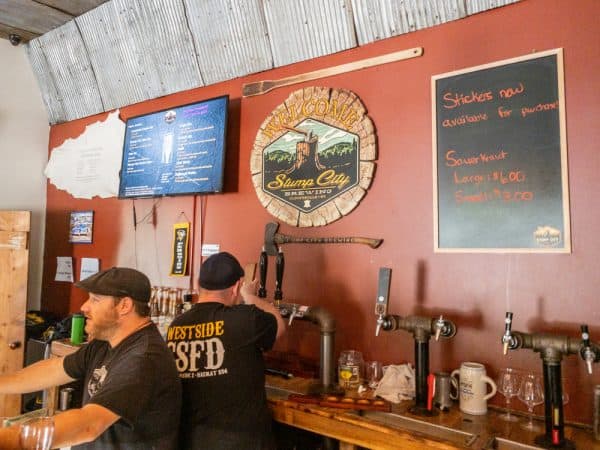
[{"x": 262, "y": 87}]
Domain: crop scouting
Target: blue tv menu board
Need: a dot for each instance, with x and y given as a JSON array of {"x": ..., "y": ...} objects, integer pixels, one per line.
[{"x": 176, "y": 151}]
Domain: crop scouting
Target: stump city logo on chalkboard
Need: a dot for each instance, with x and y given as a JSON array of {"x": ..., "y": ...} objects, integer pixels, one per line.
[{"x": 312, "y": 157}]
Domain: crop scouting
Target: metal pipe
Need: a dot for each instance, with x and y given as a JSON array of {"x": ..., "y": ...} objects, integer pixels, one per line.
[
  {"x": 422, "y": 328},
  {"x": 326, "y": 364},
  {"x": 323, "y": 318},
  {"x": 553, "y": 405},
  {"x": 552, "y": 348},
  {"x": 421, "y": 373}
]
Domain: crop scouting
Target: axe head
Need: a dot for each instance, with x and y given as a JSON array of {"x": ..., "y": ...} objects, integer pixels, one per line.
[{"x": 270, "y": 231}]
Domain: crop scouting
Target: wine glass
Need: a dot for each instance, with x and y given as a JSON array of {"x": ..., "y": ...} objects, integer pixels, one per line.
[
  {"x": 374, "y": 373},
  {"x": 508, "y": 385},
  {"x": 532, "y": 394}
]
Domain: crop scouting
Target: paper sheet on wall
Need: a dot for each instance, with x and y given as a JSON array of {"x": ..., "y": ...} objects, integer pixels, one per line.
[
  {"x": 89, "y": 164},
  {"x": 64, "y": 268},
  {"x": 210, "y": 249},
  {"x": 89, "y": 266}
]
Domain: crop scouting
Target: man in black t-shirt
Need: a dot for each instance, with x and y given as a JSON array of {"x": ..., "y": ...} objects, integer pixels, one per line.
[
  {"x": 218, "y": 347},
  {"x": 132, "y": 394}
]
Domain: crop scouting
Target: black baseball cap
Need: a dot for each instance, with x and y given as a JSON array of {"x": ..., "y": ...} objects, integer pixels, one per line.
[
  {"x": 118, "y": 282},
  {"x": 220, "y": 271}
]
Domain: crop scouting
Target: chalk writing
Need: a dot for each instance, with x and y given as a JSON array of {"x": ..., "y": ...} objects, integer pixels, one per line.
[
  {"x": 454, "y": 161},
  {"x": 493, "y": 195},
  {"x": 498, "y": 154},
  {"x": 464, "y": 119},
  {"x": 527, "y": 110},
  {"x": 453, "y": 100},
  {"x": 503, "y": 112},
  {"x": 509, "y": 92}
]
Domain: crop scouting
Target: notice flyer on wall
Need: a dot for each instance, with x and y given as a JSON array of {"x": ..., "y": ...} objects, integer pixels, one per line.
[{"x": 64, "y": 269}]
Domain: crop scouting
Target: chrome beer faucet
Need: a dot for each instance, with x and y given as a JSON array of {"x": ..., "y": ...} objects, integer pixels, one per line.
[
  {"x": 551, "y": 349},
  {"x": 507, "y": 339},
  {"x": 589, "y": 353},
  {"x": 381, "y": 303}
]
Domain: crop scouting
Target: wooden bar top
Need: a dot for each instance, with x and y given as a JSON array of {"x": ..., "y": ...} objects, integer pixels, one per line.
[{"x": 401, "y": 429}]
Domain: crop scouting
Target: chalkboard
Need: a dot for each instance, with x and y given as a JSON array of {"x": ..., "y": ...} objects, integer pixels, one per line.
[{"x": 500, "y": 161}]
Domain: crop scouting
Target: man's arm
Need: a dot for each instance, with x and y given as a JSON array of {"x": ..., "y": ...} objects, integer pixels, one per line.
[
  {"x": 41, "y": 375},
  {"x": 72, "y": 427},
  {"x": 9, "y": 438},
  {"x": 248, "y": 294},
  {"x": 77, "y": 426}
]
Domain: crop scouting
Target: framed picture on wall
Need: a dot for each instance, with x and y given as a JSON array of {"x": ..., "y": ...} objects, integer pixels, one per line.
[{"x": 80, "y": 227}]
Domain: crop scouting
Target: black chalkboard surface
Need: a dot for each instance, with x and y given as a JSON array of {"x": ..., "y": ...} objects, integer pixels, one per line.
[{"x": 499, "y": 152}]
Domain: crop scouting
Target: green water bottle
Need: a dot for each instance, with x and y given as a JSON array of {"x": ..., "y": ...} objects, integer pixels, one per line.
[{"x": 77, "y": 323}]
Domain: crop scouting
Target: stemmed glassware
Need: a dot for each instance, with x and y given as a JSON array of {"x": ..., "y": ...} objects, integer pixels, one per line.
[
  {"x": 532, "y": 394},
  {"x": 508, "y": 385}
]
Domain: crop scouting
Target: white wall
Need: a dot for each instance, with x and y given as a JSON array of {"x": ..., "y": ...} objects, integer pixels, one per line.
[{"x": 24, "y": 132}]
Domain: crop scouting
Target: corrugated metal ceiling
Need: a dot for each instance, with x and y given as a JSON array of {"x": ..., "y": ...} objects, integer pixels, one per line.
[{"x": 127, "y": 51}]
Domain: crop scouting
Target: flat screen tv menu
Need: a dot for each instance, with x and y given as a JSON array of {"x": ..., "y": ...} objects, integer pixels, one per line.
[{"x": 176, "y": 151}]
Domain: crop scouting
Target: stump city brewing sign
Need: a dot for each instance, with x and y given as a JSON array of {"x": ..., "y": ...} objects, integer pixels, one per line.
[{"x": 312, "y": 160}]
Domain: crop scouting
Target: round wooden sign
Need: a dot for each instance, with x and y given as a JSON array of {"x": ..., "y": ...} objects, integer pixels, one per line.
[{"x": 313, "y": 157}]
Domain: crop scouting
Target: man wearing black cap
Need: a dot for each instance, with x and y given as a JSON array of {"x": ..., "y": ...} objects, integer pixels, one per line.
[
  {"x": 218, "y": 347},
  {"x": 132, "y": 394}
]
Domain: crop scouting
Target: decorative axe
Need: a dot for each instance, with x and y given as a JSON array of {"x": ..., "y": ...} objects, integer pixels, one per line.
[{"x": 273, "y": 238}]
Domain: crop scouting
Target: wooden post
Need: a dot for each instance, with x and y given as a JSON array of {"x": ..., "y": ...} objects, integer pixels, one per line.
[{"x": 14, "y": 262}]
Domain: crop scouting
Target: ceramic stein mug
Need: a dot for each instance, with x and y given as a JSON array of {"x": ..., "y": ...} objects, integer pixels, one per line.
[{"x": 471, "y": 387}]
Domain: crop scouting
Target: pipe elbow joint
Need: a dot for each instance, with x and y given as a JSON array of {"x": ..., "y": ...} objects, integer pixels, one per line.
[{"x": 322, "y": 317}]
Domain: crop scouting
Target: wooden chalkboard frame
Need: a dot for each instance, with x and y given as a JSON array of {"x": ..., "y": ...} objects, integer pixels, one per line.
[{"x": 542, "y": 241}]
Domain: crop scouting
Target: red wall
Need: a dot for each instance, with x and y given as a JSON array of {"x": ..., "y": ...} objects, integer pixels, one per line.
[{"x": 549, "y": 293}]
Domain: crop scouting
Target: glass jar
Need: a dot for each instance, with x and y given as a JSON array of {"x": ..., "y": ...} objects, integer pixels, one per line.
[{"x": 350, "y": 369}]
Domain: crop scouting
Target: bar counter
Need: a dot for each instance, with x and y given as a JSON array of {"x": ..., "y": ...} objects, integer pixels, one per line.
[
  {"x": 401, "y": 429},
  {"x": 398, "y": 429}
]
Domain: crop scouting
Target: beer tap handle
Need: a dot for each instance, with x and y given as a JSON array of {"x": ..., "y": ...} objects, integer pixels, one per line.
[
  {"x": 263, "y": 263},
  {"x": 439, "y": 326},
  {"x": 507, "y": 337},
  {"x": 378, "y": 326},
  {"x": 431, "y": 388},
  {"x": 587, "y": 352},
  {"x": 279, "y": 266},
  {"x": 293, "y": 314},
  {"x": 383, "y": 292},
  {"x": 443, "y": 328}
]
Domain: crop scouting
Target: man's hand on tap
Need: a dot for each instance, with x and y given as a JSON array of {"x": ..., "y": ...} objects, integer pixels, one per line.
[
  {"x": 248, "y": 290},
  {"x": 249, "y": 297}
]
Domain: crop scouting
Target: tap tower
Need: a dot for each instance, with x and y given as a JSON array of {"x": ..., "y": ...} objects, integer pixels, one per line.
[
  {"x": 422, "y": 328},
  {"x": 552, "y": 348}
]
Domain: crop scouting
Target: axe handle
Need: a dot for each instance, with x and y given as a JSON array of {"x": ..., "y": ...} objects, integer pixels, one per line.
[
  {"x": 284, "y": 239},
  {"x": 249, "y": 272}
]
